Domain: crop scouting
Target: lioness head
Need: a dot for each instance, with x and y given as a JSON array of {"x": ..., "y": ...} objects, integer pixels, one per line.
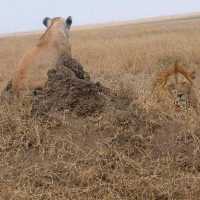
[
  {"x": 58, "y": 21},
  {"x": 57, "y": 33}
]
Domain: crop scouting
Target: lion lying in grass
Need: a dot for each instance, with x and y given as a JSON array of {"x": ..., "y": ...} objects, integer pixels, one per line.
[
  {"x": 177, "y": 82},
  {"x": 49, "y": 52}
]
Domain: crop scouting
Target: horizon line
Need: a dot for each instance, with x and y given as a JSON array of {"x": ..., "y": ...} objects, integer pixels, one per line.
[{"x": 150, "y": 19}]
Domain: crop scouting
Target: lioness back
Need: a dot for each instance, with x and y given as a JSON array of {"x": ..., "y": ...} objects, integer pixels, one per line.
[{"x": 50, "y": 51}]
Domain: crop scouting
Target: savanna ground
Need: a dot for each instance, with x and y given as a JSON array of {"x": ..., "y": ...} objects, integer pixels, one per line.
[{"x": 140, "y": 150}]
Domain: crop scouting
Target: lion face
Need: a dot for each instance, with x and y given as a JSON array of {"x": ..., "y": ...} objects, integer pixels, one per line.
[
  {"x": 181, "y": 93},
  {"x": 175, "y": 85}
]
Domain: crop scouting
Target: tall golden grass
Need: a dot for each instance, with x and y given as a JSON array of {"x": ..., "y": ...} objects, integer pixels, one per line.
[{"x": 143, "y": 152}]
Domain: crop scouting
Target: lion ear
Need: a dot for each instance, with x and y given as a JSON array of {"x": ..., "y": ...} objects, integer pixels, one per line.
[
  {"x": 46, "y": 21},
  {"x": 68, "y": 22}
]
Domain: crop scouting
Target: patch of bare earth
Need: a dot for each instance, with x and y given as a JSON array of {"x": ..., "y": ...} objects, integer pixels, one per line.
[{"x": 68, "y": 90}]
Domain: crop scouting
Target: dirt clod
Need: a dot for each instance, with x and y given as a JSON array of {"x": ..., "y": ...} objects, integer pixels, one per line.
[{"x": 68, "y": 89}]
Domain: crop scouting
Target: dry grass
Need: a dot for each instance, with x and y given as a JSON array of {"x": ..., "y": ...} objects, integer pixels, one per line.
[{"x": 143, "y": 151}]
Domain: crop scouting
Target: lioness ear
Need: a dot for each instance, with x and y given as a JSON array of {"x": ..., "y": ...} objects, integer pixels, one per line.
[
  {"x": 69, "y": 22},
  {"x": 46, "y": 21}
]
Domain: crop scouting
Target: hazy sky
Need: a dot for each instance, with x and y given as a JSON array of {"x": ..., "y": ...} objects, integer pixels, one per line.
[{"x": 25, "y": 15}]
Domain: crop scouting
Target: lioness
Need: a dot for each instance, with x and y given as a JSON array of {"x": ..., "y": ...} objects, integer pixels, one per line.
[
  {"x": 180, "y": 89},
  {"x": 50, "y": 51}
]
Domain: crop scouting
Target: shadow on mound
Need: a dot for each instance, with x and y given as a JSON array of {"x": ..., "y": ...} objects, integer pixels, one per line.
[{"x": 69, "y": 89}]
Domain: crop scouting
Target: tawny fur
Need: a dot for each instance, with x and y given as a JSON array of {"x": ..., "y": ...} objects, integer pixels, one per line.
[{"x": 50, "y": 50}]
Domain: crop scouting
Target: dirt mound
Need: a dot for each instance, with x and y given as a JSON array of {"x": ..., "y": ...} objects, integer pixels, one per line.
[
  {"x": 68, "y": 88},
  {"x": 77, "y": 68}
]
